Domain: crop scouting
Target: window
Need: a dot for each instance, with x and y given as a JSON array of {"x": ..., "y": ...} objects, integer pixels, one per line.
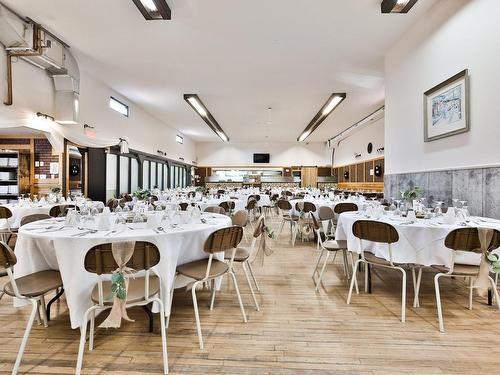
[
  {"x": 153, "y": 184},
  {"x": 179, "y": 139},
  {"x": 145, "y": 174},
  {"x": 134, "y": 175},
  {"x": 118, "y": 106},
  {"x": 124, "y": 175}
]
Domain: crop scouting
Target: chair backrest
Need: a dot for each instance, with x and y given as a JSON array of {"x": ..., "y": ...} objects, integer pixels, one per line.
[
  {"x": 284, "y": 205},
  {"x": 183, "y": 206},
  {"x": 215, "y": 210},
  {"x": 227, "y": 205},
  {"x": 223, "y": 239},
  {"x": 254, "y": 196},
  {"x": 191, "y": 194},
  {"x": 326, "y": 213},
  {"x": 345, "y": 207},
  {"x": 274, "y": 197},
  {"x": 288, "y": 193},
  {"x": 240, "y": 218},
  {"x": 126, "y": 197},
  {"x": 7, "y": 257},
  {"x": 467, "y": 239},
  {"x": 251, "y": 204},
  {"x": 99, "y": 259},
  {"x": 5, "y": 212},
  {"x": 306, "y": 207},
  {"x": 61, "y": 210},
  {"x": 112, "y": 203},
  {"x": 34, "y": 217},
  {"x": 375, "y": 231},
  {"x": 221, "y": 192},
  {"x": 152, "y": 198}
]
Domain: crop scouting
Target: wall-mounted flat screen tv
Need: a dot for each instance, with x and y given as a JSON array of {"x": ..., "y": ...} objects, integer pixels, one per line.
[{"x": 261, "y": 158}]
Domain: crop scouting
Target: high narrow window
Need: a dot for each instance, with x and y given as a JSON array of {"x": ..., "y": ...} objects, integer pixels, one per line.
[{"x": 118, "y": 106}]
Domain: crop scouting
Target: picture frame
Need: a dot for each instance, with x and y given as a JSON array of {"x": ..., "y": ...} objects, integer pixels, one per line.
[{"x": 446, "y": 108}]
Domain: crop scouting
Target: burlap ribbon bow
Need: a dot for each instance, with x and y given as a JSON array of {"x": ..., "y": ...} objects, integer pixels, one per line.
[
  {"x": 482, "y": 282},
  {"x": 263, "y": 249},
  {"x": 122, "y": 252}
]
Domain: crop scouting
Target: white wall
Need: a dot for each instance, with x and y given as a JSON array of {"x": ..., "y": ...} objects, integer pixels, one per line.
[
  {"x": 358, "y": 142},
  {"x": 34, "y": 91},
  {"x": 454, "y": 35},
  {"x": 218, "y": 154}
]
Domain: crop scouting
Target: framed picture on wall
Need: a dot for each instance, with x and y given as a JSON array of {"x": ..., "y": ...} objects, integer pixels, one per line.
[{"x": 446, "y": 108}]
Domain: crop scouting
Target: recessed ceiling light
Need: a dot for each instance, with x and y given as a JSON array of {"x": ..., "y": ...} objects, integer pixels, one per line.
[
  {"x": 333, "y": 101},
  {"x": 194, "y": 101},
  {"x": 154, "y": 9},
  {"x": 397, "y": 6}
]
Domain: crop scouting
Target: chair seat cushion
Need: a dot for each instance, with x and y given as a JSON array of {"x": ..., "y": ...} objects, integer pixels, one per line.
[
  {"x": 371, "y": 258},
  {"x": 289, "y": 217},
  {"x": 135, "y": 293},
  {"x": 459, "y": 269},
  {"x": 333, "y": 245},
  {"x": 240, "y": 256},
  {"x": 36, "y": 284},
  {"x": 197, "y": 270}
]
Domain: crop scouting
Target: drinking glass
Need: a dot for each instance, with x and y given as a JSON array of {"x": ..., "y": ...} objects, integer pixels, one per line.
[
  {"x": 439, "y": 210},
  {"x": 455, "y": 202}
]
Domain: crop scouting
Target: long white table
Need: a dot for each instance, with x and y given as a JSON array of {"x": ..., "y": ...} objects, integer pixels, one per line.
[
  {"x": 38, "y": 250},
  {"x": 419, "y": 243}
]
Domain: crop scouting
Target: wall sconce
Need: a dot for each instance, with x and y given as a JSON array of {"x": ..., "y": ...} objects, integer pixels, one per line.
[
  {"x": 160, "y": 152},
  {"x": 181, "y": 158},
  {"x": 47, "y": 117},
  {"x": 356, "y": 155},
  {"x": 380, "y": 150}
]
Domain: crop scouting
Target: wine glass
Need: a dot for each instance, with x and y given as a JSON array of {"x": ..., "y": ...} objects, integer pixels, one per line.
[
  {"x": 463, "y": 203},
  {"x": 455, "y": 202},
  {"x": 397, "y": 212},
  {"x": 439, "y": 209}
]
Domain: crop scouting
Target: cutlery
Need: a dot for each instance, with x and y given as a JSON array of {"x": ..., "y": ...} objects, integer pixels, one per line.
[
  {"x": 110, "y": 233},
  {"x": 92, "y": 231}
]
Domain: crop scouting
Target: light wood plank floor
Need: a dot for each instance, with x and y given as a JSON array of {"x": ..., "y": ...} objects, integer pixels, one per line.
[{"x": 297, "y": 331}]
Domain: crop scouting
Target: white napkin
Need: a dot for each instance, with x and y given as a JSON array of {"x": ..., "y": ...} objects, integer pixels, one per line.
[{"x": 104, "y": 221}]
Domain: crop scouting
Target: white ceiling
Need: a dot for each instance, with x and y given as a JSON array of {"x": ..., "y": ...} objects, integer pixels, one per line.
[{"x": 239, "y": 56}]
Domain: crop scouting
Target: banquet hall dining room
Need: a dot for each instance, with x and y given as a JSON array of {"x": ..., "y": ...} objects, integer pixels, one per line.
[{"x": 249, "y": 187}]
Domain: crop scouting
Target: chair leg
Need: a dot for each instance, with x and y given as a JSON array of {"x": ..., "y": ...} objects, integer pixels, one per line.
[
  {"x": 253, "y": 276},
  {"x": 403, "y": 295},
  {"x": 196, "y": 314},
  {"x": 281, "y": 229},
  {"x": 91, "y": 330},
  {"x": 354, "y": 271},
  {"x": 317, "y": 263},
  {"x": 367, "y": 266},
  {"x": 1, "y": 294},
  {"x": 353, "y": 259},
  {"x": 322, "y": 271},
  {"x": 56, "y": 298},
  {"x": 44, "y": 311},
  {"x": 83, "y": 337},
  {"x": 346, "y": 267},
  {"x": 250, "y": 286},
  {"x": 34, "y": 310},
  {"x": 171, "y": 299},
  {"x": 163, "y": 335},
  {"x": 242, "y": 308},
  {"x": 471, "y": 289},
  {"x": 438, "y": 302},
  {"x": 495, "y": 291},
  {"x": 212, "y": 298}
]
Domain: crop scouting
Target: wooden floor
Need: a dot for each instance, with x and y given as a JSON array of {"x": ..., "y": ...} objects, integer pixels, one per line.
[{"x": 297, "y": 331}]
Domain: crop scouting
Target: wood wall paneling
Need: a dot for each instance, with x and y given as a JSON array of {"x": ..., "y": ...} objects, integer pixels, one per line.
[{"x": 359, "y": 175}]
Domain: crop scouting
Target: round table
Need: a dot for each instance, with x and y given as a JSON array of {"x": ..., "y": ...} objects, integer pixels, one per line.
[
  {"x": 60, "y": 248},
  {"x": 421, "y": 242}
]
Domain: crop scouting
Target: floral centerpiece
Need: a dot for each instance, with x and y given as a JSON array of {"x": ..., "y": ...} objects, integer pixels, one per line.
[
  {"x": 409, "y": 195},
  {"x": 142, "y": 194},
  {"x": 494, "y": 261}
]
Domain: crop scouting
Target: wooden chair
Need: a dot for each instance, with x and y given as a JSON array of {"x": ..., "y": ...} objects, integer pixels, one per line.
[
  {"x": 380, "y": 232},
  {"x": 62, "y": 210},
  {"x": 329, "y": 247},
  {"x": 208, "y": 270},
  {"x": 285, "y": 208},
  {"x": 112, "y": 204},
  {"x": 467, "y": 240},
  {"x": 32, "y": 288},
  {"x": 7, "y": 232},
  {"x": 325, "y": 213},
  {"x": 242, "y": 255},
  {"x": 228, "y": 206},
  {"x": 34, "y": 217},
  {"x": 240, "y": 219},
  {"x": 142, "y": 291},
  {"x": 215, "y": 210},
  {"x": 251, "y": 207},
  {"x": 183, "y": 206}
]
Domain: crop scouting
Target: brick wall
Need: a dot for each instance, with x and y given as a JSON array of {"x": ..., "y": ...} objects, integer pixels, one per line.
[{"x": 43, "y": 153}]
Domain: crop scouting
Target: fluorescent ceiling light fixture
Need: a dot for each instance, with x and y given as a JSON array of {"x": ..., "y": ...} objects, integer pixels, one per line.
[
  {"x": 154, "y": 9},
  {"x": 371, "y": 118},
  {"x": 197, "y": 106},
  {"x": 179, "y": 139},
  {"x": 397, "y": 6},
  {"x": 333, "y": 102},
  {"x": 118, "y": 106},
  {"x": 194, "y": 101}
]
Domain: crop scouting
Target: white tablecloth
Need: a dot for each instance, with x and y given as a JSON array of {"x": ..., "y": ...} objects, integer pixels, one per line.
[
  {"x": 19, "y": 212},
  {"x": 419, "y": 243},
  {"x": 38, "y": 251}
]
